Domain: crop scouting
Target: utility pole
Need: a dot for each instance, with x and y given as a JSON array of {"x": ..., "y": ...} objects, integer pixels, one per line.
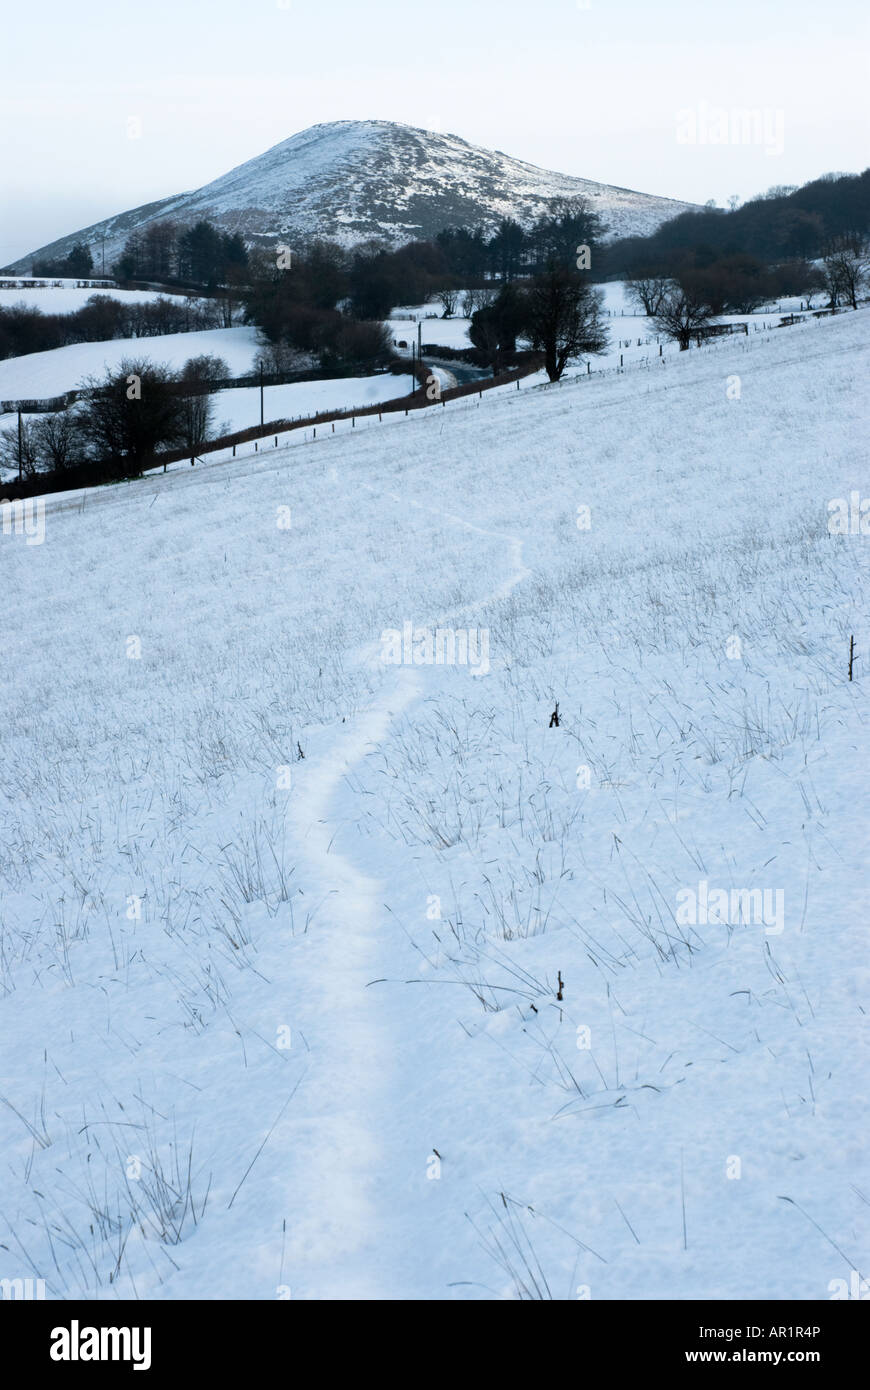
[
  {"x": 21, "y": 455},
  {"x": 261, "y": 395}
]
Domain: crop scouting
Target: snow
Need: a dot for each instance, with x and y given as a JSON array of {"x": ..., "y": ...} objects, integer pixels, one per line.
[
  {"x": 309, "y": 973},
  {"x": 452, "y": 332},
  {"x": 42, "y": 374},
  {"x": 67, "y": 298},
  {"x": 240, "y": 407}
]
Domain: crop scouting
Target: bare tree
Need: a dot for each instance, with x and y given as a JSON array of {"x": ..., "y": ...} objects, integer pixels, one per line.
[
  {"x": 648, "y": 291},
  {"x": 474, "y": 299},
  {"x": 563, "y": 318},
  {"x": 448, "y": 298},
  {"x": 20, "y": 448},
  {"x": 279, "y": 358},
  {"x": 198, "y": 378},
  {"x": 847, "y": 266},
  {"x": 680, "y": 314},
  {"x": 58, "y": 439}
]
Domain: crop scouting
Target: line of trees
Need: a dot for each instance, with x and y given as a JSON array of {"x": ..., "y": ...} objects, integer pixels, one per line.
[
  {"x": 740, "y": 284},
  {"x": 786, "y": 224},
  {"x": 368, "y": 282},
  {"x": 364, "y": 283},
  {"x": 79, "y": 264},
  {"x": 513, "y": 251},
  {"x": 330, "y": 302},
  {"x": 316, "y": 305},
  {"x": 735, "y": 284},
  {"x": 25, "y": 328},
  {"x": 170, "y": 251},
  {"x": 696, "y": 294}
]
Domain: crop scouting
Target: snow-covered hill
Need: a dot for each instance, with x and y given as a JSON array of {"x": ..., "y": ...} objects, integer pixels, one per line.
[
  {"x": 325, "y": 976},
  {"x": 349, "y": 181}
]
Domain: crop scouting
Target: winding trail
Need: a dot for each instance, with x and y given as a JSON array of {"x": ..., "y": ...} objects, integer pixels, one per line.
[{"x": 348, "y": 1214}]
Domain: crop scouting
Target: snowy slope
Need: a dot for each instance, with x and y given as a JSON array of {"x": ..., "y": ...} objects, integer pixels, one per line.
[
  {"x": 41, "y": 374},
  {"x": 67, "y": 298},
  {"x": 248, "y": 994},
  {"x": 352, "y": 180},
  {"x": 240, "y": 407}
]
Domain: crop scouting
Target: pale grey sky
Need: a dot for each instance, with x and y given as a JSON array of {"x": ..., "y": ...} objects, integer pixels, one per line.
[{"x": 597, "y": 88}]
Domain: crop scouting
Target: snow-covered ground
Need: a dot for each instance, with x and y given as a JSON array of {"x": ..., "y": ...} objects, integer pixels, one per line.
[
  {"x": 67, "y": 298},
  {"x": 40, "y": 374},
  {"x": 240, "y": 407},
  {"x": 283, "y": 923},
  {"x": 452, "y": 332}
]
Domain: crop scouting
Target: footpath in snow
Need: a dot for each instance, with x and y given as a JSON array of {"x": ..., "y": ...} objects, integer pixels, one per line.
[{"x": 331, "y": 977}]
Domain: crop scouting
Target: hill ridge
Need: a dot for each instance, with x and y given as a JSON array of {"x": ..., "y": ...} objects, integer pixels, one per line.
[{"x": 353, "y": 181}]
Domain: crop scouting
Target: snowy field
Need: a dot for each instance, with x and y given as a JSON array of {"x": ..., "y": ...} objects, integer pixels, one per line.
[
  {"x": 332, "y": 977},
  {"x": 452, "y": 332},
  {"x": 40, "y": 374},
  {"x": 240, "y": 407},
  {"x": 67, "y": 298}
]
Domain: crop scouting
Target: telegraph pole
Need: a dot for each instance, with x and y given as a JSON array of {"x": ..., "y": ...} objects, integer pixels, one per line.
[
  {"x": 261, "y": 394},
  {"x": 21, "y": 455}
]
